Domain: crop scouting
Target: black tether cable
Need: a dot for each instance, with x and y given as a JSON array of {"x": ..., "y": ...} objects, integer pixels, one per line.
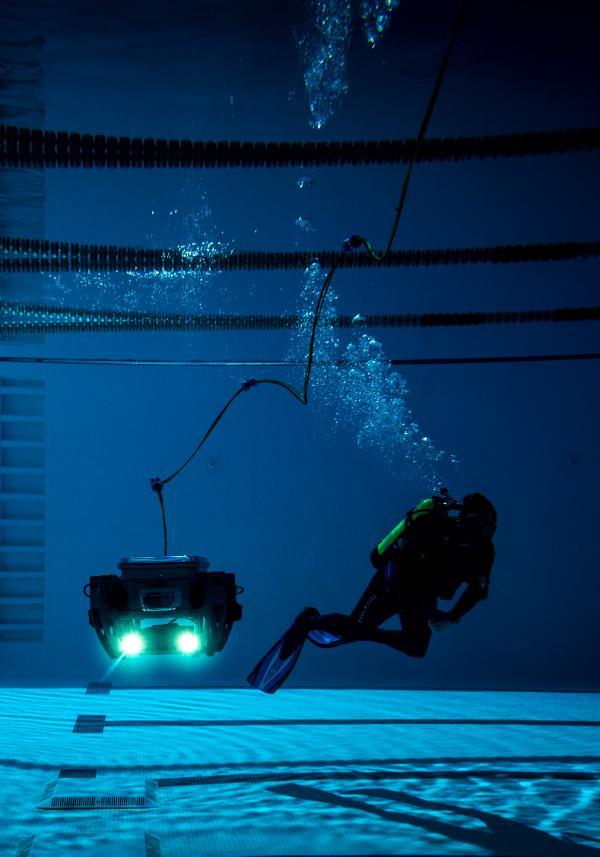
[
  {"x": 231, "y": 363},
  {"x": 157, "y": 486},
  {"x": 26, "y": 255},
  {"x": 24, "y": 318},
  {"x": 357, "y": 240},
  {"x": 36, "y": 148},
  {"x": 302, "y": 395}
]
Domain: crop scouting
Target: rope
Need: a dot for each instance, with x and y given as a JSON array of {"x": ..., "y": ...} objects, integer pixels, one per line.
[
  {"x": 33, "y": 147},
  {"x": 203, "y": 364},
  {"x": 24, "y": 318},
  {"x": 26, "y": 255}
]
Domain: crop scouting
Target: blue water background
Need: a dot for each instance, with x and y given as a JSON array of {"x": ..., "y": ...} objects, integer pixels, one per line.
[{"x": 280, "y": 496}]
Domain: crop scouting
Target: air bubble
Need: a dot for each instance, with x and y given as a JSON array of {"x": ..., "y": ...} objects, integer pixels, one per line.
[
  {"x": 188, "y": 227},
  {"x": 305, "y": 224},
  {"x": 305, "y": 182},
  {"x": 357, "y": 389},
  {"x": 323, "y": 46}
]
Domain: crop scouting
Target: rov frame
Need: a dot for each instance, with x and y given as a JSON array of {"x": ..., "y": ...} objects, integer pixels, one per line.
[{"x": 164, "y": 588}]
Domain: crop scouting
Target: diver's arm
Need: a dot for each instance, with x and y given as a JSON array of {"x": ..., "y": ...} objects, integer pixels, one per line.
[
  {"x": 473, "y": 594},
  {"x": 478, "y": 587}
]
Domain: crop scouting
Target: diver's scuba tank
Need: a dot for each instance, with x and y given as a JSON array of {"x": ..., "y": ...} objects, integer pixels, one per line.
[{"x": 425, "y": 521}]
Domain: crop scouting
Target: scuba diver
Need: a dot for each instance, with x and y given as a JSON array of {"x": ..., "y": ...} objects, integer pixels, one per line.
[{"x": 439, "y": 545}]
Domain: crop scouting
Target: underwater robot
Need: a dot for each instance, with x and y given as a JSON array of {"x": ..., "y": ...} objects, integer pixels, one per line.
[{"x": 163, "y": 605}]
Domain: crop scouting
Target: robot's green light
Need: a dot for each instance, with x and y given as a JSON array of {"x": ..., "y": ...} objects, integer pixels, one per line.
[
  {"x": 188, "y": 642},
  {"x": 131, "y": 644}
]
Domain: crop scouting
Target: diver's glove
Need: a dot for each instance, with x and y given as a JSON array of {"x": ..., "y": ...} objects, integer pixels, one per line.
[{"x": 442, "y": 620}]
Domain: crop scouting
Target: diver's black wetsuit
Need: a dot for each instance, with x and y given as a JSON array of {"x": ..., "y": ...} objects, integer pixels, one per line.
[
  {"x": 409, "y": 582},
  {"x": 430, "y": 554}
]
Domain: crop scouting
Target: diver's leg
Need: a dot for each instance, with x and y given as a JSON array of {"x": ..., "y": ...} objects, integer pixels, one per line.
[
  {"x": 415, "y": 609},
  {"x": 375, "y": 606},
  {"x": 412, "y": 640},
  {"x": 415, "y": 636}
]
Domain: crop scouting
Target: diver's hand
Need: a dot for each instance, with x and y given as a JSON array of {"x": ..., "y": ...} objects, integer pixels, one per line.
[{"x": 441, "y": 621}]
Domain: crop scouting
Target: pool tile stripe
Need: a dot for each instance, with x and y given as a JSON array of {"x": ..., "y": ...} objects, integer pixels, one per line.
[
  {"x": 77, "y": 773},
  {"x": 374, "y": 721},
  {"x": 99, "y": 687}
]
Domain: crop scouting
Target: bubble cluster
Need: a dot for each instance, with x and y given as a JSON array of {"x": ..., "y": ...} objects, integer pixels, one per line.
[
  {"x": 358, "y": 388},
  {"x": 187, "y": 226},
  {"x": 327, "y": 342},
  {"x": 323, "y": 46},
  {"x": 372, "y": 401},
  {"x": 376, "y": 16},
  {"x": 305, "y": 224},
  {"x": 305, "y": 181}
]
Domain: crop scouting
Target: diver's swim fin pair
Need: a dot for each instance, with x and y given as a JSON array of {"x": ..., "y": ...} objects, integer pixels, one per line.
[{"x": 274, "y": 668}]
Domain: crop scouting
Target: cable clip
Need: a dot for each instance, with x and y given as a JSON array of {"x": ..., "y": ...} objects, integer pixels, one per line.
[
  {"x": 249, "y": 382},
  {"x": 352, "y": 243},
  {"x": 156, "y": 484}
]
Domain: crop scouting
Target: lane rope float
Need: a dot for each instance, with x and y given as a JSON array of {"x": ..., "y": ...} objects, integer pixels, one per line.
[
  {"x": 29, "y": 255},
  {"x": 16, "y": 318},
  {"x": 39, "y": 149}
]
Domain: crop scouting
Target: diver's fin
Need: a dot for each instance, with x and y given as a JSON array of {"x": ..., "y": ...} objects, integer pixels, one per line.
[
  {"x": 274, "y": 668},
  {"x": 325, "y": 639}
]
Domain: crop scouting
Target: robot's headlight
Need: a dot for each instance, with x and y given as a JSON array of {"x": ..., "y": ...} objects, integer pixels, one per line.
[
  {"x": 188, "y": 642},
  {"x": 131, "y": 644}
]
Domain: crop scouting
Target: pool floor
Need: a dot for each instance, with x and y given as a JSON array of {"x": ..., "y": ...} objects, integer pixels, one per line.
[{"x": 189, "y": 772}]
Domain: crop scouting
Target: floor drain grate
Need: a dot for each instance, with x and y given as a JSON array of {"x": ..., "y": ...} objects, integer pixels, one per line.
[
  {"x": 99, "y": 687},
  {"x": 104, "y": 802},
  {"x": 147, "y": 800},
  {"x": 90, "y": 723},
  {"x": 77, "y": 773}
]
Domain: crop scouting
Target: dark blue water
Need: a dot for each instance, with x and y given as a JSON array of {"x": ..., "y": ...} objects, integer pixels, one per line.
[{"x": 293, "y": 499}]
